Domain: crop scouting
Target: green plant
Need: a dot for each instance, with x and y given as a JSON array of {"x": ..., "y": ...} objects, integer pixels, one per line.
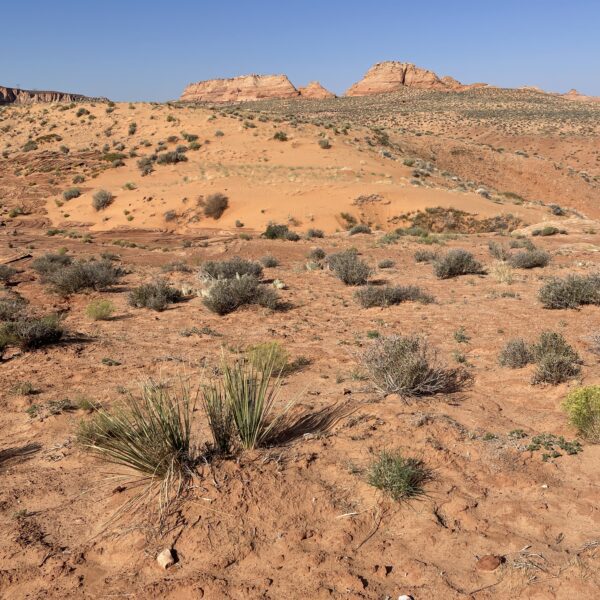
[
  {"x": 269, "y": 261},
  {"x": 324, "y": 143},
  {"x": 406, "y": 365},
  {"x": 516, "y": 354},
  {"x": 83, "y": 275},
  {"x": 529, "y": 259},
  {"x": 425, "y": 256},
  {"x": 457, "y": 262},
  {"x": 71, "y": 193},
  {"x": 382, "y": 296},
  {"x": 583, "y": 409},
  {"x": 360, "y": 228},
  {"x": 314, "y": 233},
  {"x": 280, "y": 136},
  {"x": 556, "y": 361},
  {"x": 31, "y": 333},
  {"x": 100, "y": 310},
  {"x": 268, "y": 355},
  {"x": 48, "y": 263},
  {"x": 400, "y": 477},
  {"x": 386, "y": 263},
  {"x": 349, "y": 268},
  {"x": 229, "y": 269},
  {"x": 12, "y": 306},
  {"x": 101, "y": 199},
  {"x": 280, "y": 232},
  {"x": 226, "y": 295},
  {"x": 156, "y": 295},
  {"x": 571, "y": 292}
]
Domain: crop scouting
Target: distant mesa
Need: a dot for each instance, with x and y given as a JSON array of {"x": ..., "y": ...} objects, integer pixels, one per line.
[
  {"x": 17, "y": 96},
  {"x": 250, "y": 87},
  {"x": 392, "y": 76}
]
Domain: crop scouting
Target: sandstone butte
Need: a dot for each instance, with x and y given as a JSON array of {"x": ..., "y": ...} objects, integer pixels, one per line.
[
  {"x": 17, "y": 96},
  {"x": 250, "y": 87}
]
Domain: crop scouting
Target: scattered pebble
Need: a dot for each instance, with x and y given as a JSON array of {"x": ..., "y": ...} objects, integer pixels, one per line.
[{"x": 166, "y": 559}]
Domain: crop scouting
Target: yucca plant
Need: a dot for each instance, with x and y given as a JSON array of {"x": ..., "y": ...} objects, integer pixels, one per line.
[
  {"x": 220, "y": 419},
  {"x": 149, "y": 434}
]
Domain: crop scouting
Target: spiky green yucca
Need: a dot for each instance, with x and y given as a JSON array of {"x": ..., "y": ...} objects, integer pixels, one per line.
[{"x": 149, "y": 434}]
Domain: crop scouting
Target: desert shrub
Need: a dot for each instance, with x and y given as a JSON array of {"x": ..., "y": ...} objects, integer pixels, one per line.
[
  {"x": 280, "y": 136},
  {"x": 516, "y": 354},
  {"x": 522, "y": 243},
  {"x": 386, "y": 263},
  {"x": 170, "y": 215},
  {"x": 498, "y": 251},
  {"x": 30, "y": 333},
  {"x": 360, "y": 228},
  {"x": 171, "y": 158},
  {"x": 100, "y": 310},
  {"x": 400, "y": 477},
  {"x": 176, "y": 267},
  {"x": 215, "y": 205},
  {"x": 101, "y": 199},
  {"x": 425, "y": 256},
  {"x": 226, "y": 295},
  {"x": 317, "y": 254},
  {"x": 546, "y": 231},
  {"x": 406, "y": 365},
  {"x": 268, "y": 355},
  {"x": 457, "y": 262},
  {"x": 229, "y": 269},
  {"x": 269, "y": 261},
  {"x": 314, "y": 233},
  {"x": 529, "y": 259},
  {"x": 583, "y": 409},
  {"x": 571, "y": 292},
  {"x": 371, "y": 295},
  {"x": 280, "y": 232},
  {"x": 145, "y": 165},
  {"x": 149, "y": 434},
  {"x": 132, "y": 128},
  {"x": 83, "y": 275},
  {"x": 6, "y": 273},
  {"x": 156, "y": 295},
  {"x": 325, "y": 143},
  {"x": 71, "y": 193},
  {"x": 556, "y": 361},
  {"x": 50, "y": 262},
  {"x": 12, "y": 306},
  {"x": 349, "y": 268},
  {"x": 502, "y": 272},
  {"x": 78, "y": 179}
]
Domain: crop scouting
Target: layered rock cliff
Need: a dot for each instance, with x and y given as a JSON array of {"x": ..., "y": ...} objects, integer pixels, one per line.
[
  {"x": 240, "y": 89},
  {"x": 391, "y": 76},
  {"x": 18, "y": 96}
]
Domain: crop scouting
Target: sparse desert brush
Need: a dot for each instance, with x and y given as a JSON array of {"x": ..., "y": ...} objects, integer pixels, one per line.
[
  {"x": 498, "y": 251},
  {"x": 100, "y": 310},
  {"x": 176, "y": 267},
  {"x": 516, "y": 354},
  {"x": 316, "y": 254},
  {"x": 360, "y": 228},
  {"x": 50, "y": 262},
  {"x": 269, "y": 261},
  {"x": 425, "y": 256},
  {"x": 71, "y": 193},
  {"x": 457, "y": 262},
  {"x": 6, "y": 273},
  {"x": 30, "y": 333},
  {"x": 150, "y": 435},
  {"x": 382, "y": 296},
  {"x": 156, "y": 295},
  {"x": 571, "y": 292},
  {"x": 229, "y": 269},
  {"x": 314, "y": 233},
  {"x": 349, "y": 268},
  {"x": 325, "y": 143},
  {"x": 226, "y": 295},
  {"x": 386, "y": 263},
  {"x": 583, "y": 409},
  {"x": 132, "y": 128},
  {"x": 268, "y": 356},
  {"x": 547, "y": 231},
  {"x": 171, "y": 158},
  {"x": 215, "y": 205},
  {"x": 402, "y": 478},
  {"x": 101, "y": 199},
  {"x": 406, "y": 365},
  {"x": 502, "y": 272},
  {"x": 12, "y": 306},
  {"x": 556, "y": 360},
  {"x": 83, "y": 275},
  {"x": 280, "y": 232},
  {"x": 522, "y": 243},
  {"x": 529, "y": 259},
  {"x": 170, "y": 215},
  {"x": 280, "y": 136},
  {"x": 145, "y": 165}
]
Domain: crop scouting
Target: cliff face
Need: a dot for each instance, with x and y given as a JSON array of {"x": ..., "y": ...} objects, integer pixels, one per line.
[
  {"x": 240, "y": 89},
  {"x": 315, "y": 90},
  {"x": 390, "y": 76},
  {"x": 18, "y": 96}
]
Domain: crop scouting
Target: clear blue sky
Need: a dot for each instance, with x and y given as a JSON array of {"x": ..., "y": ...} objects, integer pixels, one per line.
[{"x": 134, "y": 50}]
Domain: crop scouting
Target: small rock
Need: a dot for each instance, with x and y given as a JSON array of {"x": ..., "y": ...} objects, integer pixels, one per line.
[
  {"x": 489, "y": 562},
  {"x": 166, "y": 559},
  {"x": 405, "y": 597}
]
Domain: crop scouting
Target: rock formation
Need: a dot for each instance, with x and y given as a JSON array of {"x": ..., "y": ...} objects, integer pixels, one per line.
[
  {"x": 240, "y": 89},
  {"x": 315, "y": 90},
  {"x": 18, "y": 96},
  {"x": 391, "y": 76}
]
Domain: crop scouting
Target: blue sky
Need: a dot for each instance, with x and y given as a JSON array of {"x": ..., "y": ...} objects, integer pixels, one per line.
[{"x": 134, "y": 50}]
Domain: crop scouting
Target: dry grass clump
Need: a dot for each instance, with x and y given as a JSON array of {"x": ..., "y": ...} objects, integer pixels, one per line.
[
  {"x": 12, "y": 306},
  {"x": 83, "y": 275},
  {"x": 402, "y": 478},
  {"x": 407, "y": 366},
  {"x": 229, "y": 269},
  {"x": 370, "y": 295},
  {"x": 101, "y": 199},
  {"x": 156, "y": 295},
  {"x": 516, "y": 354},
  {"x": 529, "y": 259},
  {"x": 425, "y": 256},
  {"x": 583, "y": 408},
  {"x": 502, "y": 272},
  {"x": 31, "y": 333},
  {"x": 349, "y": 268},
  {"x": 226, "y": 295},
  {"x": 100, "y": 310},
  {"x": 215, "y": 205},
  {"x": 571, "y": 292},
  {"x": 457, "y": 262}
]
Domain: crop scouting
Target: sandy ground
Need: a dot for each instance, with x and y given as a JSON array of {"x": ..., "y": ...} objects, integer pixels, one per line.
[{"x": 296, "y": 520}]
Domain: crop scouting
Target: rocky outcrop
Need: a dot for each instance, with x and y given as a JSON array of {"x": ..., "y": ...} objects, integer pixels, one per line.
[
  {"x": 578, "y": 97},
  {"x": 240, "y": 89},
  {"x": 18, "y": 96},
  {"x": 391, "y": 76},
  {"x": 314, "y": 90}
]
